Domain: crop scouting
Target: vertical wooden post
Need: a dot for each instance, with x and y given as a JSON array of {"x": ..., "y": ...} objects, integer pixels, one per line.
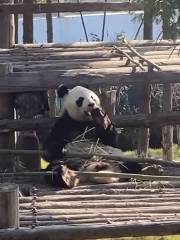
[
  {"x": 52, "y": 94},
  {"x": 16, "y": 24},
  {"x": 145, "y": 107},
  {"x": 28, "y": 25},
  {"x": 108, "y": 101},
  {"x": 167, "y": 131},
  {"x": 9, "y": 206},
  {"x": 6, "y": 112},
  {"x": 49, "y": 25},
  {"x": 7, "y": 27}
]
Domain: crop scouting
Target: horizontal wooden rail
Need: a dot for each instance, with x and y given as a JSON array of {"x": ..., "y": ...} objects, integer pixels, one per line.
[
  {"x": 137, "y": 120},
  {"x": 90, "y": 155},
  {"x": 36, "y": 81},
  {"x": 95, "y": 174},
  {"x": 86, "y": 45},
  {"x": 93, "y": 231},
  {"x": 70, "y": 7}
]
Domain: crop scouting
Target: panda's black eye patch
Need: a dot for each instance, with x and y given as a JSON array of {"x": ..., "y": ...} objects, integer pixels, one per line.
[{"x": 79, "y": 102}]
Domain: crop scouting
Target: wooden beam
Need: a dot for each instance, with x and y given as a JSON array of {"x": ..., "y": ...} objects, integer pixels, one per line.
[
  {"x": 134, "y": 43},
  {"x": 6, "y": 112},
  {"x": 36, "y": 81},
  {"x": 70, "y": 7},
  {"x": 137, "y": 120},
  {"x": 93, "y": 231},
  {"x": 90, "y": 155},
  {"x": 9, "y": 205},
  {"x": 7, "y": 27}
]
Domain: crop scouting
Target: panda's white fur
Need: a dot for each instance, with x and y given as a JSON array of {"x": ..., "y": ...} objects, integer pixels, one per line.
[{"x": 90, "y": 101}]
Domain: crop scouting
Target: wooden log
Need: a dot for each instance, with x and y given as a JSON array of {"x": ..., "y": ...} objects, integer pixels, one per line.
[
  {"x": 88, "y": 156},
  {"x": 134, "y": 43},
  {"x": 145, "y": 107},
  {"x": 9, "y": 206},
  {"x": 70, "y": 7},
  {"x": 90, "y": 64},
  {"x": 138, "y": 120},
  {"x": 80, "y": 232},
  {"x": 37, "y": 81},
  {"x": 110, "y": 220},
  {"x": 96, "y": 197},
  {"x": 7, "y": 35},
  {"x": 16, "y": 17},
  {"x": 6, "y": 111},
  {"x": 27, "y": 24},
  {"x": 167, "y": 131},
  {"x": 123, "y": 211},
  {"x": 52, "y": 218}
]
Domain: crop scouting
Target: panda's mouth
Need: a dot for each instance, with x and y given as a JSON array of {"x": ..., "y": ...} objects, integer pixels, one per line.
[{"x": 88, "y": 113}]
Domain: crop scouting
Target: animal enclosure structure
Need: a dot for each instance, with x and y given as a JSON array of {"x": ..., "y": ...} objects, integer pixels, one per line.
[
  {"x": 89, "y": 212},
  {"x": 96, "y": 211}
]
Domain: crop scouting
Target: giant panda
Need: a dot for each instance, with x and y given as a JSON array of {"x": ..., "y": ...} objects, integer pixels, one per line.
[{"x": 81, "y": 109}]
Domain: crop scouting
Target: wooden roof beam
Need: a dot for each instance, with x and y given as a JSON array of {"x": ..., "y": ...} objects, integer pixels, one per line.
[{"x": 70, "y": 7}]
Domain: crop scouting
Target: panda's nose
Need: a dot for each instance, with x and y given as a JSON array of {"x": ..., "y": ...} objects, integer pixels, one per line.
[{"x": 91, "y": 105}]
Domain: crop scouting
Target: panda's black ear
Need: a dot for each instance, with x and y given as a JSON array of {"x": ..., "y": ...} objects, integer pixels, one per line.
[{"x": 62, "y": 90}]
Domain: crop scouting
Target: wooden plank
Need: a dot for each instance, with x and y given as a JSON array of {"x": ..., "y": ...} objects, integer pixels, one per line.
[
  {"x": 134, "y": 43},
  {"x": 35, "y": 81},
  {"x": 89, "y": 64},
  {"x": 138, "y": 120},
  {"x": 93, "y": 231},
  {"x": 70, "y": 7}
]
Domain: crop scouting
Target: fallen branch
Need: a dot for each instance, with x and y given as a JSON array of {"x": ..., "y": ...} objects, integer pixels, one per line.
[
  {"x": 150, "y": 64},
  {"x": 130, "y": 59}
]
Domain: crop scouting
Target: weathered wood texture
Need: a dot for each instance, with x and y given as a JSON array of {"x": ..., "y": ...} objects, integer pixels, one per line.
[
  {"x": 99, "y": 211},
  {"x": 167, "y": 131},
  {"x": 70, "y": 7},
  {"x": 6, "y": 112},
  {"x": 138, "y": 120},
  {"x": 145, "y": 107},
  {"x": 80, "y": 63},
  {"x": 9, "y": 206},
  {"x": 7, "y": 35},
  {"x": 28, "y": 24}
]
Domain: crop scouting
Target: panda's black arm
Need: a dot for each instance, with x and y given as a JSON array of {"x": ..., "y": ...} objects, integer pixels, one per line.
[
  {"x": 111, "y": 137},
  {"x": 56, "y": 140}
]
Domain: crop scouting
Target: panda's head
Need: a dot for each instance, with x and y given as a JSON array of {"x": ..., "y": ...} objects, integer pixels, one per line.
[{"x": 78, "y": 102}]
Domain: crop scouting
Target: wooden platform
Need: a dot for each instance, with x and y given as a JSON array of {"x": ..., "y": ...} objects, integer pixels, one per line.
[{"x": 98, "y": 211}]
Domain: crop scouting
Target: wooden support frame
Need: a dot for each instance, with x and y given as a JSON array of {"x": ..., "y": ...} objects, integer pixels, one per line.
[
  {"x": 70, "y": 7},
  {"x": 92, "y": 231},
  {"x": 37, "y": 81}
]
